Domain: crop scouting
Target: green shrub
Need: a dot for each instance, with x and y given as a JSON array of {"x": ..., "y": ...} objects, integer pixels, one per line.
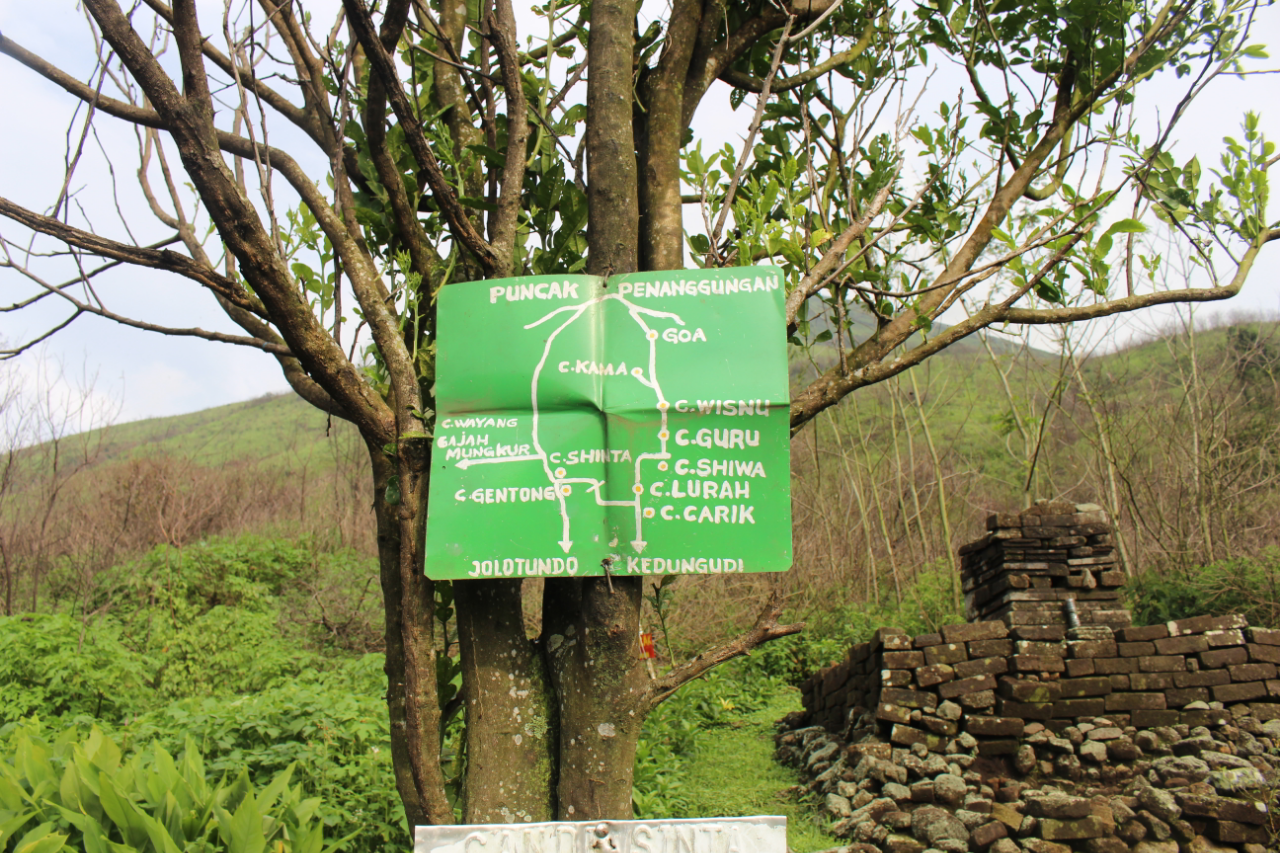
[
  {"x": 82, "y": 794},
  {"x": 331, "y": 727},
  {"x": 52, "y": 665},
  {"x": 927, "y": 604},
  {"x": 1248, "y": 586}
]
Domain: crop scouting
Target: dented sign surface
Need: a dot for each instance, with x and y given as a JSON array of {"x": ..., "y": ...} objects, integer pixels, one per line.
[
  {"x": 640, "y": 420},
  {"x": 722, "y": 835}
]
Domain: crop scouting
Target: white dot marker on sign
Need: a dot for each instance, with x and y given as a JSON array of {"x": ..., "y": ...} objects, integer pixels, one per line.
[
  {"x": 648, "y": 513},
  {"x": 638, "y": 489},
  {"x": 662, "y": 466},
  {"x": 663, "y": 405},
  {"x": 653, "y": 336},
  {"x": 664, "y": 435},
  {"x": 635, "y": 371},
  {"x": 566, "y": 490},
  {"x": 559, "y": 472}
]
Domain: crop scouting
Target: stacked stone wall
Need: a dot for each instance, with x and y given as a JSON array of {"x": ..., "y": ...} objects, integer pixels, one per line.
[
  {"x": 990, "y": 680},
  {"x": 982, "y": 736}
]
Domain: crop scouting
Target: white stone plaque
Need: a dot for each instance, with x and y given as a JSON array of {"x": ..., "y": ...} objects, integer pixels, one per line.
[{"x": 694, "y": 835}]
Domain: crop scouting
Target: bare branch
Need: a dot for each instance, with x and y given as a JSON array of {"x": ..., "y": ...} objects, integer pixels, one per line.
[
  {"x": 765, "y": 629},
  {"x": 142, "y": 256}
]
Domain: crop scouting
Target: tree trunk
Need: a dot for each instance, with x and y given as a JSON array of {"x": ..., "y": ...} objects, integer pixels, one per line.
[
  {"x": 409, "y": 613},
  {"x": 592, "y": 636},
  {"x": 511, "y": 720}
]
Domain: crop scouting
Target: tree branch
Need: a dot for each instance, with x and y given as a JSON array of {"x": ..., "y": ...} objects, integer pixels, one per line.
[
  {"x": 142, "y": 256},
  {"x": 460, "y": 225},
  {"x": 502, "y": 33},
  {"x": 241, "y": 229},
  {"x": 765, "y": 629},
  {"x": 744, "y": 81}
]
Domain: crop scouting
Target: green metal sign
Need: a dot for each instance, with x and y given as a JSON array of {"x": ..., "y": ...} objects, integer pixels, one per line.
[{"x": 637, "y": 424}]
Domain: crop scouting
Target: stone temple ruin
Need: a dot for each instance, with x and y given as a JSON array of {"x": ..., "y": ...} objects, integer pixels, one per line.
[
  {"x": 1049, "y": 723},
  {"x": 1029, "y": 565}
]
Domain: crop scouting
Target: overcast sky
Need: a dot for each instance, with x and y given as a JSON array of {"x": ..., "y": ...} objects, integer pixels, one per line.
[{"x": 150, "y": 375}]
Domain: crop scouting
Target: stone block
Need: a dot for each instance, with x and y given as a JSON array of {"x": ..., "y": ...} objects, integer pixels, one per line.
[
  {"x": 939, "y": 726},
  {"x": 1222, "y": 808},
  {"x": 1059, "y": 806},
  {"x": 1136, "y": 702},
  {"x": 981, "y": 666},
  {"x": 903, "y": 659},
  {"x": 1265, "y": 636},
  {"x": 1078, "y": 667},
  {"x": 990, "y": 648},
  {"x": 998, "y": 746},
  {"x": 1206, "y": 717},
  {"x": 938, "y": 673},
  {"x": 959, "y": 687},
  {"x": 1220, "y": 639},
  {"x": 1252, "y": 671},
  {"x": 1037, "y": 663},
  {"x": 1223, "y": 658},
  {"x": 917, "y": 699},
  {"x": 1044, "y": 633},
  {"x": 972, "y": 631},
  {"x": 1092, "y": 648},
  {"x": 923, "y": 641},
  {"x": 890, "y": 637},
  {"x": 907, "y": 736},
  {"x": 948, "y": 653},
  {"x": 1145, "y": 719},
  {"x": 1021, "y": 690},
  {"x": 987, "y": 834},
  {"x": 1007, "y": 815},
  {"x": 1035, "y": 647},
  {"x": 978, "y": 699},
  {"x": 893, "y": 713},
  {"x": 1183, "y": 645},
  {"x": 1093, "y": 707},
  {"x": 1144, "y": 634},
  {"x": 1039, "y": 845},
  {"x": 1163, "y": 663},
  {"x": 1133, "y": 650},
  {"x": 1025, "y": 710},
  {"x": 1078, "y": 688},
  {"x": 895, "y": 677},
  {"x": 995, "y": 726},
  {"x": 1200, "y": 624},
  {"x": 1152, "y": 680},
  {"x": 1258, "y": 653},
  {"x": 1120, "y": 682},
  {"x": 1074, "y": 830},
  {"x": 1240, "y": 691},
  {"x": 1203, "y": 678},
  {"x": 1178, "y": 697},
  {"x": 1115, "y": 666},
  {"x": 1233, "y": 832}
]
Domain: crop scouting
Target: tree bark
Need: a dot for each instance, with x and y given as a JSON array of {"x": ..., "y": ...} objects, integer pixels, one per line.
[
  {"x": 613, "y": 219},
  {"x": 591, "y": 631},
  {"x": 511, "y": 720}
]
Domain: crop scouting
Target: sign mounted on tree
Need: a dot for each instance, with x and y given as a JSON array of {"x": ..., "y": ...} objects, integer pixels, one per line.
[{"x": 637, "y": 424}]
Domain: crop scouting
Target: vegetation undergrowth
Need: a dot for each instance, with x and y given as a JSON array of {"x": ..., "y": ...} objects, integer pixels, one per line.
[
  {"x": 229, "y": 672},
  {"x": 1248, "y": 586}
]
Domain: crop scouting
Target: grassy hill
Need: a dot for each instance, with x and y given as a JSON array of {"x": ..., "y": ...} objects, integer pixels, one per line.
[{"x": 274, "y": 430}]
